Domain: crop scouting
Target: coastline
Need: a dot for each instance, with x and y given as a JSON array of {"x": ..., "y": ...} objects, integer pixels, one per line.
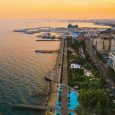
[{"x": 52, "y": 99}]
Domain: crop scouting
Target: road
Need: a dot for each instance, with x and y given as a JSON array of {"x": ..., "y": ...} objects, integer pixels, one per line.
[
  {"x": 96, "y": 60},
  {"x": 101, "y": 66}
]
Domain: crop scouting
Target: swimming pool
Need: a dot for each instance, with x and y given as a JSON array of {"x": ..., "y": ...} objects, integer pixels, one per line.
[
  {"x": 71, "y": 113},
  {"x": 72, "y": 101},
  {"x": 58, "y": 113}
]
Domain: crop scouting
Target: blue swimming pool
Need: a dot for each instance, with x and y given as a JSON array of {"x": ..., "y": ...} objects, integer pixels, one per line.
[
  {"x": 58, "y": 113},
  {"x": 71, "y": 113},
  {"x": 72, "y": 101}
]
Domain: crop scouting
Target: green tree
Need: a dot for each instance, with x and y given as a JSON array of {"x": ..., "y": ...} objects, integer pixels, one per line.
[
  {"x": 98, "y": 109},
  {"x": 90, "y": 97}
]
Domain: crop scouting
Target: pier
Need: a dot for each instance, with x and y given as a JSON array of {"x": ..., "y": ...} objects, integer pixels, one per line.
[
  {"x": 32, "y": 107},
  {"x": 50, "y": 40},
  {"x": 46, "y": 51}
]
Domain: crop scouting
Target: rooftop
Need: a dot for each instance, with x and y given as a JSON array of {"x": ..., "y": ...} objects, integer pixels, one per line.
[
  {"x": 113, "y": 53},
  {"x": 75, "y": 66}
]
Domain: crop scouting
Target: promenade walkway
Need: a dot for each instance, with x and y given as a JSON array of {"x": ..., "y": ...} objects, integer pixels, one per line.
[{"x": 64, "y": 110}]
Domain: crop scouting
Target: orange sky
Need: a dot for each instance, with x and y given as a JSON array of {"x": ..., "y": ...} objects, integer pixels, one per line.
[{"x": 57, "y": 9}]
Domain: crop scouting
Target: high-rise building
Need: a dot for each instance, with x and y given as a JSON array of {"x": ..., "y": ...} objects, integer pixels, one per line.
[{"x": 111, "y": 61}]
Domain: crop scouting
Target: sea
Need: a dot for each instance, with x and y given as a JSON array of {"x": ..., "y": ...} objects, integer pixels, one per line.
[{"x": 22, "y": 70}]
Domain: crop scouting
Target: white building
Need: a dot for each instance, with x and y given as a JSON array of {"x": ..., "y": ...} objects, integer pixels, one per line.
[
  {"x": 75, "y": 66},
  {"x": 111, "y": 61}
]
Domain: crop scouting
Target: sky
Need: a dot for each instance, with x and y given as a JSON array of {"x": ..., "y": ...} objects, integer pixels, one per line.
[{"x": 66, "y": 9}]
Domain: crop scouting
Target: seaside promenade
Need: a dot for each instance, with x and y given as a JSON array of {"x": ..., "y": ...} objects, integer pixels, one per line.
[
  {"x": 61, "y": 77},
  {"x": 64, "y": 110},
  {"x": 55, "y": 76}
]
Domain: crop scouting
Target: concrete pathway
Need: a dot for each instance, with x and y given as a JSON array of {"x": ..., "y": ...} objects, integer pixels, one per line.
[{"x": 64, "y": 110}]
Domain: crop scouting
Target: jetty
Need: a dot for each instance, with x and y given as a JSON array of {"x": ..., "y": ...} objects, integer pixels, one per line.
[
  {"x": 32, "y": 107},
  {"x": 48, "y": 40},
  {"x": 46, "y": 51}
]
